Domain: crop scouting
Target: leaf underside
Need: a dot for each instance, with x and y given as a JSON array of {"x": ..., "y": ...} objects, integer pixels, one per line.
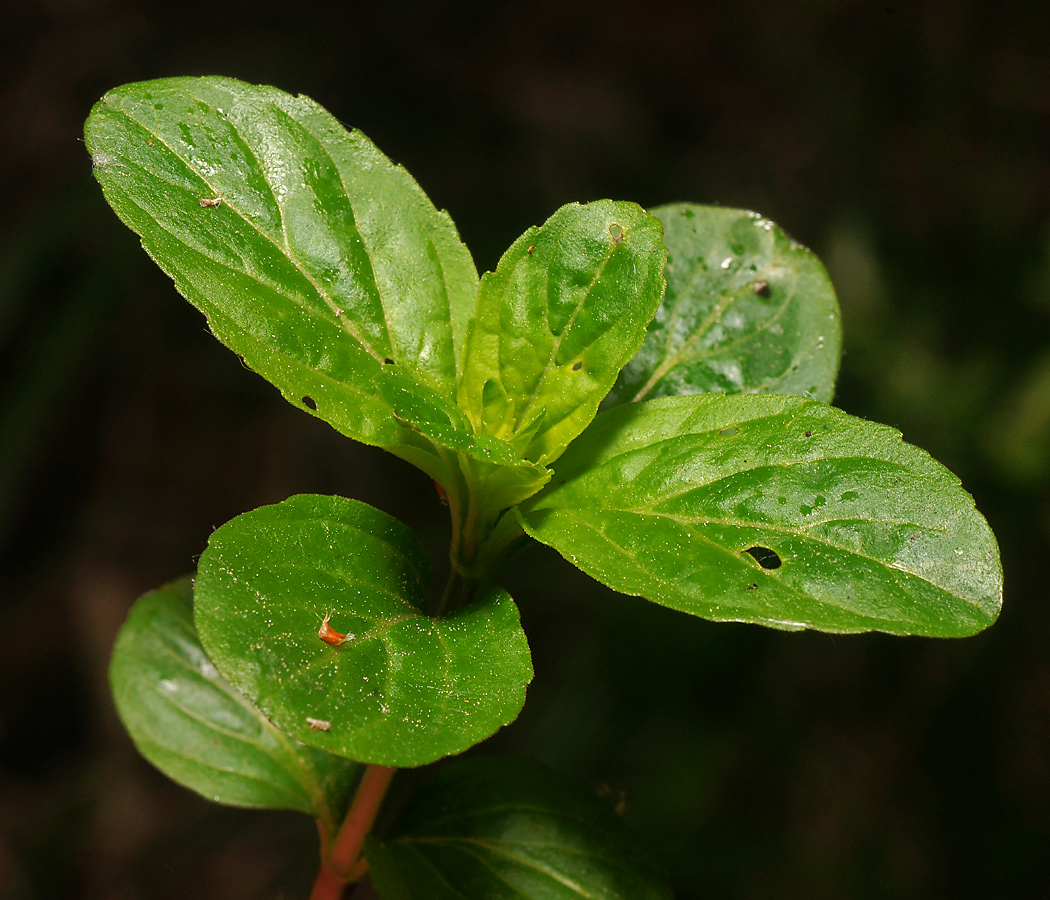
[
  {"x": 187, "y": 720},
  {"x": 774, "y": 510},
  {"x": 747, "y": 310},
  {"x": 403, "y": 689},
  {"x": 495, "y": 827}
]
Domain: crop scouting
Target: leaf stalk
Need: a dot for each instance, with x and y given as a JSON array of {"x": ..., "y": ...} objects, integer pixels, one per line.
[{"x": 342, "y": 865}]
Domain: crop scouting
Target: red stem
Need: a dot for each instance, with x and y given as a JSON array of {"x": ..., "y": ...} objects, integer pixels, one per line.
[
  {"x": 340, "y": 867},
  {"x": 327, "y": 885}
]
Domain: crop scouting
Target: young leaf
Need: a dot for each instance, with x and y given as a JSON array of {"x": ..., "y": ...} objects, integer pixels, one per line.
[
  {"x": 198, "y": 730},
  {"x": 311, "y": 254},
  {"x": 771, "y": 509},
  {"x": 747, "y": 310},
  {"x": 313, "y": 608},
  {"x": 503, "y": 478},
  {"x": 487, "y": 828},
  {"x": 566, "y": 307}
]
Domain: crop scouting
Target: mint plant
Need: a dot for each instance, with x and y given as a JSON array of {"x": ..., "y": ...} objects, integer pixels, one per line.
[{"x": 671, "y": 438}]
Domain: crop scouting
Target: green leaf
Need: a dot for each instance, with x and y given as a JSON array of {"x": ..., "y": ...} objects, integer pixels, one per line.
[
  {"x": 747, "y": 310},
  {"x": 771, "y": 509},
  {"x": 312, "y": 255},
  {"x": 198, "y": 730},
  {"x": 493, "y": 828},
  {"x": 403, "y": 689},
  {"x": 566, "y": 307},
  {"x": 498, "y": 476}
]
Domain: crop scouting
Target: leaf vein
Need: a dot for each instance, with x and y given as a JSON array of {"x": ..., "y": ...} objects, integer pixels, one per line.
[{"x": 347, "y": 325}]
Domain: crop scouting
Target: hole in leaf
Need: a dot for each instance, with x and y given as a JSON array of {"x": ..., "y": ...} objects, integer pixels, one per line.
[
  {"x": 765, "y": 557},
  {"x": 616, "y": 232},
  {"x": 388, "y": 361},
  {"x": 761, "y": 288},
  {"x": 729, "y": 432},
  {"x": 309, "y": 401},
  {"x": 577, "y": 366}
]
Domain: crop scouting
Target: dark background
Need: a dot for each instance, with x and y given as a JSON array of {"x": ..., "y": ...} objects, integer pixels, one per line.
[{"x": 907, "y": 143}]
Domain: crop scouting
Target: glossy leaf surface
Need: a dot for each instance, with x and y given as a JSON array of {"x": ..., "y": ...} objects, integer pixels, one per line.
[
  {"x": 747, "y": 310},
  {"x": 312, "y": 255},
  {"x": 567, "y": 306},
  {"x": 403, "y": 689},
  {"x": 488, "y": 828},
  {"x": 502, "y": 477},
  {"x": 187, "y": 720},
  {"x": 775, "y": 510}
]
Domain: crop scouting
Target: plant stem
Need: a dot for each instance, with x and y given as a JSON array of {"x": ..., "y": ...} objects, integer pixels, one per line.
[
  {"x": 453, "y": 587},
  {"x": 340, "y": 866}
]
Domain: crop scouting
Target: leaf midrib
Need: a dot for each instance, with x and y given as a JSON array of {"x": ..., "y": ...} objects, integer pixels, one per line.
[
  {"x": 892, "y": 571},
  {"x": 657, "y": 579},
  {"x": 663, "y": 498},
  {"x": 556, "y": 342},
  {"x": 285, "y": 251},
  {"x": 466, "y": 845},
  {"x": 167, "y": 748},
  {"x": 303, "y": 775}
]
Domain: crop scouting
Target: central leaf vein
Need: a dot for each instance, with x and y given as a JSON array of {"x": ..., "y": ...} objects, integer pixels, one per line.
[{"x": 333, "y": 307}]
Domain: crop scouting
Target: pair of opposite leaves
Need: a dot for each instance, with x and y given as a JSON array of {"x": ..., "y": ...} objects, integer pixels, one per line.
[
  {"x": 330, "y": 272},
  {"x": 481, "y": 824}
]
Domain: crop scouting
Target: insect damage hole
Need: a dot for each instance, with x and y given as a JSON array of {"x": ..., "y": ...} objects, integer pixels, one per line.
[
  {"x": 577, "y": 366},
  {"x": 616, "y": 233},
  {"x": 310, "y": 403},
  {"x": 765, "y": 557}
]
